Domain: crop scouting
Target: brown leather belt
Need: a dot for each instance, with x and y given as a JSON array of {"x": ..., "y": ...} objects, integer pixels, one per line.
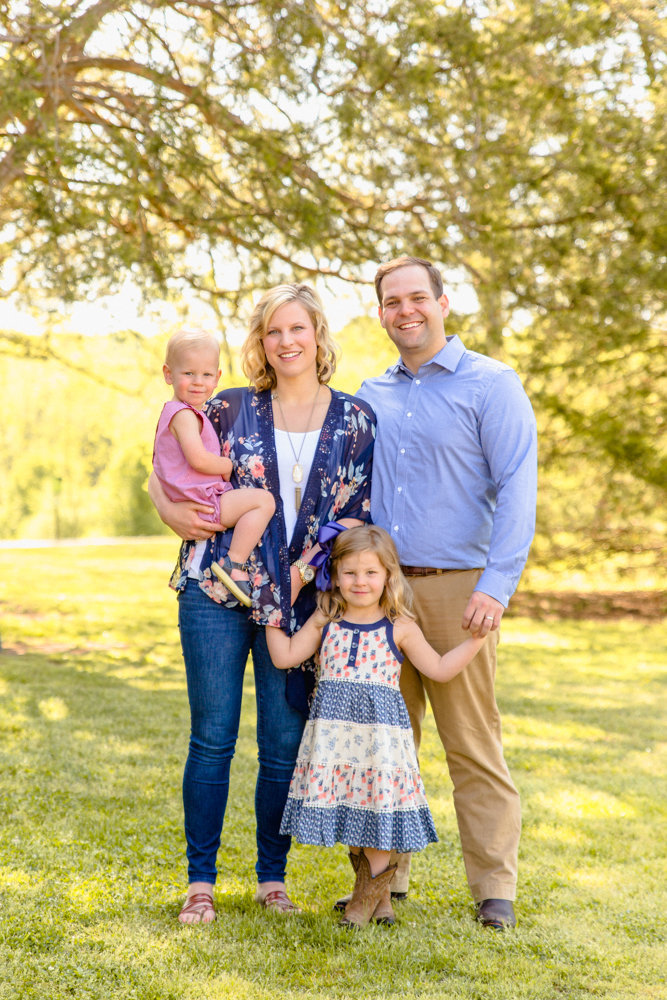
[{"x": 422, "y": 571}]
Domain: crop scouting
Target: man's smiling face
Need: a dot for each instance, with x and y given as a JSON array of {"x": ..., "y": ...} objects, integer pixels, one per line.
[{"x": 411, "y": 314}]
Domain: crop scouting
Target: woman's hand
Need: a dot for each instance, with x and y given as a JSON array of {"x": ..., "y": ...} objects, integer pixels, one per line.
[{"x": 183, "y": 518}]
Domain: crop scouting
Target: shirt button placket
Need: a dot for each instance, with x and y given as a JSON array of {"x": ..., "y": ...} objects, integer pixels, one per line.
[{"x": 402, "y": 461}]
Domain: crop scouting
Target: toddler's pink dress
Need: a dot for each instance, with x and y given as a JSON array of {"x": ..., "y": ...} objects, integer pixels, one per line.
[{"x": 179, "y": 481}]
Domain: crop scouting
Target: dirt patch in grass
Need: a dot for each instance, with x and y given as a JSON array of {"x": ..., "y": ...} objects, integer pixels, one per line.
[{"x": 640, "y": 605}]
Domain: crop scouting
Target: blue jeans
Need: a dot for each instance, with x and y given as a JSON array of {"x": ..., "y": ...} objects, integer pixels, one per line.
[{"x": 216, "y": 642}]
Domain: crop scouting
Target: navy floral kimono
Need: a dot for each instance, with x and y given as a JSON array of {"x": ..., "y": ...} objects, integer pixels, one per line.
[{"x": 339, "y": 485}]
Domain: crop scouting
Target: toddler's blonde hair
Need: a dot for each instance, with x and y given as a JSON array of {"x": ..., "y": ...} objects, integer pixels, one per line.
[{"x": 187, "y": 340}]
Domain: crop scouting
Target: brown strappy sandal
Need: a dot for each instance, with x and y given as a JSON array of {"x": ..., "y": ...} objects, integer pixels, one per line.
[
  {"x": 198, "y": 904},
  {"x": 278, "y": 901}
]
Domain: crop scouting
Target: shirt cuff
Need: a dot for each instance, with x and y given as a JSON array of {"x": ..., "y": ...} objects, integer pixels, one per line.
[{"x": 497, "y": 586}]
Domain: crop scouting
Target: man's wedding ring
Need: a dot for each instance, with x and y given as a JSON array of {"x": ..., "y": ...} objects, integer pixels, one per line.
[{"x": 489, "y": 618}]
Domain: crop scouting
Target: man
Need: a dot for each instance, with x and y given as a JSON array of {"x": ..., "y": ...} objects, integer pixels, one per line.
[{"x": 454, "y": 483}]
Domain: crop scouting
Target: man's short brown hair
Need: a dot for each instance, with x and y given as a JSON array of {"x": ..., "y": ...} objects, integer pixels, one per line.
[{"x": 434, "y": 275}]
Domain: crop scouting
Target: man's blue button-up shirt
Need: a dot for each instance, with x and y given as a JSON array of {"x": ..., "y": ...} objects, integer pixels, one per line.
[{"x": 455, "y": 465}]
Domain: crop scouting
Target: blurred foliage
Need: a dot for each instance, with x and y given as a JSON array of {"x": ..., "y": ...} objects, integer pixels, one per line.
[
  {"x": 74, "y": 457},
  {"x": 75, "y": 461}
]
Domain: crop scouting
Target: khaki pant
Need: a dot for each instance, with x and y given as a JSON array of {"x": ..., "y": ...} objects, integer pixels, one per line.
[{"x": 487, "y": 804}]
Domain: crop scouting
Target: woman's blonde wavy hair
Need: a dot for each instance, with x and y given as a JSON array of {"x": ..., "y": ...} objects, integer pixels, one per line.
[
  {"x": 253, "y": 358},
  {"x": 396, "y": 597}
]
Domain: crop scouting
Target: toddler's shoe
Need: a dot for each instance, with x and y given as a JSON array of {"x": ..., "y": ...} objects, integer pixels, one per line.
[{"x": 240, "y": 589}]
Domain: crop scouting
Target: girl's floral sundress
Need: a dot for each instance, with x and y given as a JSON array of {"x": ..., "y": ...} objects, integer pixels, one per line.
[{"x": 356, "y": 779}]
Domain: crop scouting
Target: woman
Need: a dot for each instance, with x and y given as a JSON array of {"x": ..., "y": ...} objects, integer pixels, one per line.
[{"x": 311, "y": 446}]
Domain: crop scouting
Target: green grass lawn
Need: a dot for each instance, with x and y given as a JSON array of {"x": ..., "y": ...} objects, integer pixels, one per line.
[{"x": 93, "y": 730}]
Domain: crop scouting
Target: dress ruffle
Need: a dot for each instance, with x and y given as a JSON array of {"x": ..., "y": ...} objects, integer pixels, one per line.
[{"x": 410, "y": 830}]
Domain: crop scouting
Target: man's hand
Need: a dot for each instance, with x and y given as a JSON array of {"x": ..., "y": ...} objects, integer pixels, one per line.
[{"x": 482, "y": 615}]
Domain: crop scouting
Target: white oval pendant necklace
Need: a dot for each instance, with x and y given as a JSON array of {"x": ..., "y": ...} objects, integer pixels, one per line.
[{"x": 297, "y": 468}]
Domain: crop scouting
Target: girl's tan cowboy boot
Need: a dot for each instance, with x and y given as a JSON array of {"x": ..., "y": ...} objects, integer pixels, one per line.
[
  {"x": 368, "y": 892},
  {"x": 341, "y": 903},
  {"x": 384, "y": 911}
]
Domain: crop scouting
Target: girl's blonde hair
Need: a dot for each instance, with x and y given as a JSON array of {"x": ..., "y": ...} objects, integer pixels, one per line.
[
  {"x": 396, "y": 597},
  {"x": 253, "y": 358},
  {"x": 188, "y": 340}
]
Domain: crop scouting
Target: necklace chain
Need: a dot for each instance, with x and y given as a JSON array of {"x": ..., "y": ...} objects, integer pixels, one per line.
[{"x": 297, "y": 468}]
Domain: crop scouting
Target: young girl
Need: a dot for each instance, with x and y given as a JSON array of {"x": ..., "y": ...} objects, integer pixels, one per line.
[
  {"x": 188, "y": 463},
  {"x": 356, "y": 779}
]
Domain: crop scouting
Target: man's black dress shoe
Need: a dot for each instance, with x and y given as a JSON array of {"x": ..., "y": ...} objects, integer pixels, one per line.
[{"x": 496, "y": 913}]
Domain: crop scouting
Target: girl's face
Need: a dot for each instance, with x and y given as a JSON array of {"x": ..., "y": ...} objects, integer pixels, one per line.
[
  {"x": 289, "y": 343},
  {"x": 361, "y": 577},
  {"x": 194, "y": 375}
]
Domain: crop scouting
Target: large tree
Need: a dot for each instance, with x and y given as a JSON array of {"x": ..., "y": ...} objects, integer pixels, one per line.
[
  {"x": 223, "y": 145},
  {"x": 136, "y": 140},
  {"x": 216, "y": 142}
]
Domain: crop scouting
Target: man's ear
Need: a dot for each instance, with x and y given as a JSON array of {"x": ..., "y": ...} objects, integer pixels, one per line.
[{"x": 444, "y": 305}]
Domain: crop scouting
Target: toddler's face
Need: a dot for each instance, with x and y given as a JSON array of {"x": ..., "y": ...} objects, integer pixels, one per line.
[{"x": 194, "y": 375}]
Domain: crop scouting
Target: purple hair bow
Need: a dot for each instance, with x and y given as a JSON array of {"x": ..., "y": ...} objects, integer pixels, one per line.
[{"x": 326, "y": 536}]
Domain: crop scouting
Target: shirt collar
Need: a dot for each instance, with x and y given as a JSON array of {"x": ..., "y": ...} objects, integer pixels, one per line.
[{"x": 448, "y": 357}]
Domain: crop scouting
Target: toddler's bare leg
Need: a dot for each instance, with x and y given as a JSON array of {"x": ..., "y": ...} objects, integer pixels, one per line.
[{"x": 249, "y": 511}]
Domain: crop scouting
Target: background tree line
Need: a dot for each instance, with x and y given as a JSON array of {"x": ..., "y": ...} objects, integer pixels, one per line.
[
  {"x": 214, "y": 148},
  {"x": 74, "y": 462}
]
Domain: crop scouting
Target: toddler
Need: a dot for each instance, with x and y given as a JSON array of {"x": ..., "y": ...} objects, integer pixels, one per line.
[{"x": 188, "y": 463}]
